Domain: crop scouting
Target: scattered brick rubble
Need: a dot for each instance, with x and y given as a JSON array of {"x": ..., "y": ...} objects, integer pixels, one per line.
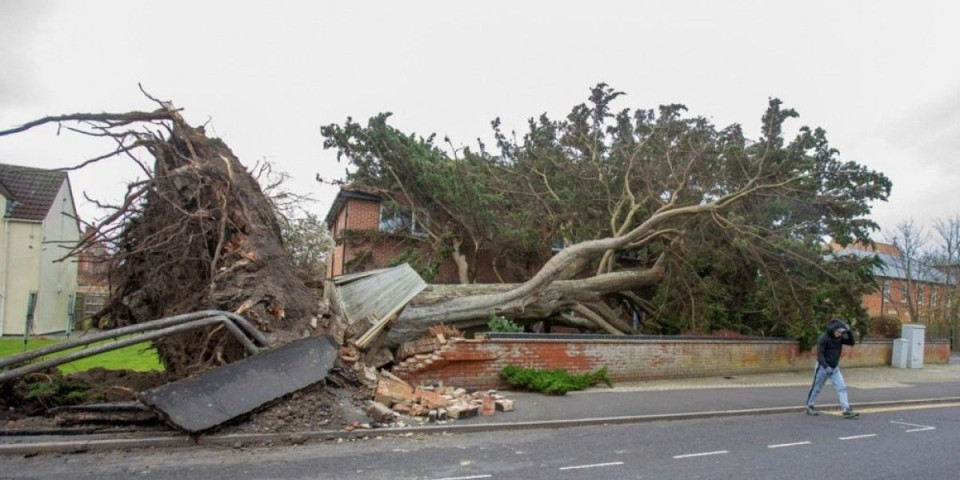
[
  {"x": 434, "y": 403},
  {"x": 395, "y": 399}
]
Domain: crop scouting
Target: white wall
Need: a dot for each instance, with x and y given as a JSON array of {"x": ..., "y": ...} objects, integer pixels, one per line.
[
  {"x": 22, "y": 273},
  {"x": 3, "y": 262},
  {"x": 58, "y": 276},
  {"x": 29, "y": 251}
]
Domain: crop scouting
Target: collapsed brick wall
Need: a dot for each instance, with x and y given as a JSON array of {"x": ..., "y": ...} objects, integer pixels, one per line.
[{"x": 477, "y": 363}]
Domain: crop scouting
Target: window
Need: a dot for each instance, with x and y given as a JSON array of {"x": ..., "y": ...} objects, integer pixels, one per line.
[
  {"x": 395, "y": 219},
  {"x": 933, "y": 297},
  {"x": 886, "y": 291},
  {"x": 920, "y": 294},
  {"x": 904, "y": 293}
]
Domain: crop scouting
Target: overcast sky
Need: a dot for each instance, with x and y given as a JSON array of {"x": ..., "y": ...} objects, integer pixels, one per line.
[{"x": 881, "y": 77}]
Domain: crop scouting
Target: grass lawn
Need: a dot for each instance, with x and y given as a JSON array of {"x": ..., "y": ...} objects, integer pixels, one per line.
[{"x": 140, "y": 357}]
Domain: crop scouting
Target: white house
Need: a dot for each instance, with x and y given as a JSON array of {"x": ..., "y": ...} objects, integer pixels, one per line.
[{"x": 39, "y": 225}]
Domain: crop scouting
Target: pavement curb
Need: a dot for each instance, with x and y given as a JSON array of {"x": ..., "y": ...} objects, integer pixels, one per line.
[{"x": 245, "y": 440}]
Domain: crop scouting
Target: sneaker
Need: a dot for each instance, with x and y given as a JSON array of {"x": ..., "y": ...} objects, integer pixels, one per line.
[
  {"x": 812, "y": 411},
  {"x": 850, "y": 414}
]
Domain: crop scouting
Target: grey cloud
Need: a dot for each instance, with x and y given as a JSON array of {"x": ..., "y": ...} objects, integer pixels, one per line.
[{"x": 20, "y": 26}]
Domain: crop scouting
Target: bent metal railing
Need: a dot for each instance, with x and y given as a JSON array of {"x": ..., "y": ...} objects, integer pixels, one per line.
[{"x": 245, "y": 333}]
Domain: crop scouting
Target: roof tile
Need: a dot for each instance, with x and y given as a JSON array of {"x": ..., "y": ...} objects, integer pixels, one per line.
[{"x": 32, "y": 190}]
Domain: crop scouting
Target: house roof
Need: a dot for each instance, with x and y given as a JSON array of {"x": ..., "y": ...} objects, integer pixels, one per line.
[
  {"x": 892, "y": 267},
  {"x": 343, "y": 195},
  {"x": 31, "y": 191}
]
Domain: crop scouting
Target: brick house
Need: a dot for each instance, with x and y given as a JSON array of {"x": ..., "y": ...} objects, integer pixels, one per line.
[
  {"x": 369, "y": 235},
  {"x": 928, "y": 288},
  {"x": 364, "y": 232}
]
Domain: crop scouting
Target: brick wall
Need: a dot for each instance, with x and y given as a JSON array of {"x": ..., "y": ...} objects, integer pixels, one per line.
[{"x": 477, "y": 363}]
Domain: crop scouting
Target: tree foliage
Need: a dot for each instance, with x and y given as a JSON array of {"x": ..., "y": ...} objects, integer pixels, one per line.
[
  {"x": 737, "y": 225},
  {"x": 305, "y": 235}
]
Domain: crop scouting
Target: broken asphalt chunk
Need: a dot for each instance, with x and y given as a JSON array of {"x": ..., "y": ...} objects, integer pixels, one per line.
[{"x": 215, "y": 397}]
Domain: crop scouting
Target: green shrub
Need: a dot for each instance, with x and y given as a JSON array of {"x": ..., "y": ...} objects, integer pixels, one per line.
[
  {"x": 887, "y": 326},
  {"x": 552, "y": 382},
  {"x": 503, "y": 324},
  {"x": 54, "y": 391}
]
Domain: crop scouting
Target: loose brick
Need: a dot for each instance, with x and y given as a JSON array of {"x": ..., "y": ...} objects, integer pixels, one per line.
[
  {"x": 390, "y": 392},
  {"x": 459, "y": 412},
  {"x": 431, "y": 399},
  {"x": 489, "y": 406}
]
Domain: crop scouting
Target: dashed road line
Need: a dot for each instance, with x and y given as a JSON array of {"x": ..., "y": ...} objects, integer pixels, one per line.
[
  {"x": 920, "y": 428},
  {"x": 704, "y": 454},
  {"x": 473, "y": 477},
  {"x": 465, "y": 478},
  {"x": 595, "y": 465},
  {"x": 858, "y": 437},
  {"x": 782, "y": 445}
]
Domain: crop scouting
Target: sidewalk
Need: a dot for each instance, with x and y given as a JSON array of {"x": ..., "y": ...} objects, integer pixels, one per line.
[{"x": 869, "y": 388}]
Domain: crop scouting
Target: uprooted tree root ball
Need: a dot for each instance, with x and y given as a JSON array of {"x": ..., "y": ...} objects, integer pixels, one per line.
[
  {"x": 197, "y": 234},
  {"x": 203, "y": 237}
]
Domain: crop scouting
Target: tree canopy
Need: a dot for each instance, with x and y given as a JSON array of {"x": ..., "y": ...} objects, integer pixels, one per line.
[{"x": 691, "y": 227}]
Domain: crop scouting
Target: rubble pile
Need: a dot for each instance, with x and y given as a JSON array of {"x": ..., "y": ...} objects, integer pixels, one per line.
[
  {"x": 395, "y": 399},
  {"x": 433, "y": 403}
]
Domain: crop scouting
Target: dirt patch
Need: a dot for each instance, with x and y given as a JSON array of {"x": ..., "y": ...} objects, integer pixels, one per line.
[
  {"x": 121, "y": 384},
  {"x": 37, "y": 393},
  {"x": 25, "y": 403},
  {"x": 328, "y": 405}
]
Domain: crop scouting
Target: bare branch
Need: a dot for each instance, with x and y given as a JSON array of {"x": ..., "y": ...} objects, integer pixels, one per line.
[{"x": 111, "y": 119}]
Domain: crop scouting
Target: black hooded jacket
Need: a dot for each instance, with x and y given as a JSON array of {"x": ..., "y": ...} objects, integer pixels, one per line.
[{"x": 830, "y": 347}]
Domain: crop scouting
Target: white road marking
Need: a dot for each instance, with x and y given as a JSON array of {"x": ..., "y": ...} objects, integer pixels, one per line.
[
  {"x": 920, "y": 428},
  {"x": 596, "y": 465},
  {"x": 857, "y": 437},
  {"x": 788, "y": 444},
  {"x": 465, "y": 478},
  {"x": 704, "y": 454}
]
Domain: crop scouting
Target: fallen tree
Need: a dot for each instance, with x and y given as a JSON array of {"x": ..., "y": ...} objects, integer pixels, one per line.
[{"x": 660, "y": 219}]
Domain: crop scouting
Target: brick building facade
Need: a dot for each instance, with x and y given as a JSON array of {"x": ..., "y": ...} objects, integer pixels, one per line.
[
  {"x": 926, "y": 290},
  {"x": 366, "y": 238}
]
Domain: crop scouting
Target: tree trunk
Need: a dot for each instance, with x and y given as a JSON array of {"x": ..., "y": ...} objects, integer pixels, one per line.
[{"x": 468, "y": 306}]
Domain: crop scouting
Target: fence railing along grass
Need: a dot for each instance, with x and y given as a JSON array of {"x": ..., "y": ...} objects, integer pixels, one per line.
[{"x": 140, "y": 357}]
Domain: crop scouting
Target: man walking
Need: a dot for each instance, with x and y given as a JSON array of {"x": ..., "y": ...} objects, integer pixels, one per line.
[{"x": 829, "y": 346}]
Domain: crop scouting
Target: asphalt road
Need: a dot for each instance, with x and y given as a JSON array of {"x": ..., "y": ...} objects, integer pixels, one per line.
[{"x": 891, "y": 443}]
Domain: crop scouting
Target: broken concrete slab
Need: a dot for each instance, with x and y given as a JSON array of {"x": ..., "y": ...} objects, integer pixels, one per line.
[{"x": 213, "y": 398}]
